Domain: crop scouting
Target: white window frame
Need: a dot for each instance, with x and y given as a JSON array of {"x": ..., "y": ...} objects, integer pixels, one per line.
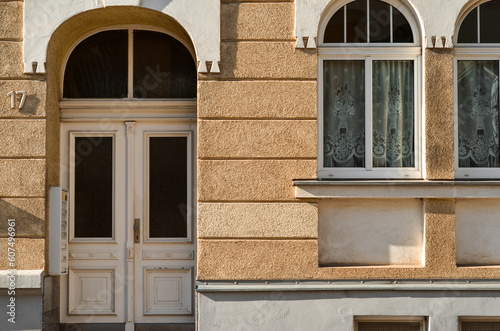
[
  {"x": 370, "y": 54},
  {"x": 471, "y": 54}
]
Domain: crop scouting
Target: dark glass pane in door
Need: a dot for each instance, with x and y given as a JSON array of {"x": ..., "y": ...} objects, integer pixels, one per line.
[
  {"x": 163, "y": 67},
  {"x": 97, "y": 67},
  {"x": 93, "y": 187},
  {"x": 167, "y": 187}
]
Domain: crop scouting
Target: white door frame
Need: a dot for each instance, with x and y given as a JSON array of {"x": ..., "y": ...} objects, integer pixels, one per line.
[{"x": 121, "y": 119}]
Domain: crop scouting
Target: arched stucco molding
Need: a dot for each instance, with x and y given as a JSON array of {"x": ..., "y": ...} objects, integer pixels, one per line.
[
  {"x": 201, "y": 20},
  {"x": 60, "y": 45},
  {"x": 436, "y": 19},
  {"x": 312, "y": 15}
]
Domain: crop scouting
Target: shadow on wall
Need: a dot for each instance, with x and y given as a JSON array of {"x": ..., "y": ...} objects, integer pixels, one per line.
[
  {"x": 30, "y": 105},
  {"x": 263, "y": 57},
  {"x": 28, "y": 213}
]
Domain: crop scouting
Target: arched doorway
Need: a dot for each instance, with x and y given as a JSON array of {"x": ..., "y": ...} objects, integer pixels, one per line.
[{"x": 127, "y": 158}]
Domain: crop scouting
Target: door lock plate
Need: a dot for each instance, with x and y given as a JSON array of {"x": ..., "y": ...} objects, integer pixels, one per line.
[{"x": 137, "y": 230}]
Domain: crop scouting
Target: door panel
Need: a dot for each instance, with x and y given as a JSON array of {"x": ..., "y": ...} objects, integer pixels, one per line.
[
  {"x": 92, "y": 165},
  {"x": 164, "y": 194},
  {"x": 149, "y": 163}
]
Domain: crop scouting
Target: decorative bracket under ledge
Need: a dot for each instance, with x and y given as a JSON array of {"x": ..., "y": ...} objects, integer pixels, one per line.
[{"x": 324, "y": 189}]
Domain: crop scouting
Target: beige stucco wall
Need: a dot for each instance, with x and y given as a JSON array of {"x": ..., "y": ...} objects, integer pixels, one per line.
[
  {"x": 258, "y": 132},
  {"x": 22, "y": 147}
]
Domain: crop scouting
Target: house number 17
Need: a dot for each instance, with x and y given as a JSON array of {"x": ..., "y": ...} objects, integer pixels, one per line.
[{"x": 13, "y": 94}]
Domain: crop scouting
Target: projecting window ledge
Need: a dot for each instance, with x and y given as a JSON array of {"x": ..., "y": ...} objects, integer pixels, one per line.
[{"x": 317, "y": 189}]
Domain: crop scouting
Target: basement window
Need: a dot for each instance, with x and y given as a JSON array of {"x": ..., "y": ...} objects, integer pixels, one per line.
[{"x": 382, "y": 323}]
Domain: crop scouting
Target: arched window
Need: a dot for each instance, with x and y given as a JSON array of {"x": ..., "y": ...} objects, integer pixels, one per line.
[
  {"x": 477, "y": 93},
  {"x": 129, "y": 64},
  {"x": 369, "y": 73}
]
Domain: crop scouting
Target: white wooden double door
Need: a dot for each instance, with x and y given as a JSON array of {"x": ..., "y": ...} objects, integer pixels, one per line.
[{"x": 132, "y": 251}]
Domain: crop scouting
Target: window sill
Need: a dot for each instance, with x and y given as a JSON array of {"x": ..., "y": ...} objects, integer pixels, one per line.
[{"x": 317, "y": 189}]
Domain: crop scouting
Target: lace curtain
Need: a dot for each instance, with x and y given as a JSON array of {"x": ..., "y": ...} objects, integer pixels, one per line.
[
  {"x": 344, "y": 113},
  {"x": 478, "y": 114},
  {"x": 392, "y": 117},
  {"x": 393, "y": 138}
]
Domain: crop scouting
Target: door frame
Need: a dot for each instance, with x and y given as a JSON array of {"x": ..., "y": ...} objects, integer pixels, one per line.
[{"x": 106, "y": 116}]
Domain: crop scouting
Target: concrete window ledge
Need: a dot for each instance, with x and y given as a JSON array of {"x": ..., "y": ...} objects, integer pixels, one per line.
[
  {"x": 26, "y": 281},
  {"x": 317, "y": 189}
]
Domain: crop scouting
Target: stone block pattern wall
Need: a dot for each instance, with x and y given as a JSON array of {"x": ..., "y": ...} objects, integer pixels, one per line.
[
  {"x": 22, "y": 146},
  {"x": 257, "y": 132}
]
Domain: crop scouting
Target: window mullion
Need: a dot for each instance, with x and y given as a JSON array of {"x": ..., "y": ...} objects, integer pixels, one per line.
[
  {"x": 391, "y": 24},
  {"x": 345, "y": 23},
  {"x": 478, "y": 25},
  {"x": 130, "y": 77},
  {"x": 368, "y": 21},
  {"x": 368, "y": 114}
]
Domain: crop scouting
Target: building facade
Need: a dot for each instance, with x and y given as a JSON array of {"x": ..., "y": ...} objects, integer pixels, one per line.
[{"x": 250, "y": 165}]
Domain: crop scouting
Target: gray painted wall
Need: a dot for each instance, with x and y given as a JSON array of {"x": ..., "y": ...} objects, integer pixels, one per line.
[{"x": 335, "y": 310}]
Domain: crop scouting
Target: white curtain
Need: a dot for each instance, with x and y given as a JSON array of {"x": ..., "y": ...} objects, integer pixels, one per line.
[
  {"x": 344, "y": 113},
  {"x": 478, "y": 114},
  {"x": 392, "y": 118},
  {"x": 393, "y": 114}
]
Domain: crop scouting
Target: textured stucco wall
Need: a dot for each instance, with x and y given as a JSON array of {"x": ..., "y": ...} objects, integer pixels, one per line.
[
  {"x": 22, "y": 146},
  {"x": 256, "y": 121},
  {"x": 257, "y": 133}
]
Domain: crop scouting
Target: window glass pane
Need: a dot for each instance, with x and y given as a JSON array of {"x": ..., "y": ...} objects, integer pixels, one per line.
[
  {"x": 163, "y": 67},
  {"x": 480, "y": 326},
  {"x": 97, "y": 67},
  {"x": 334, "y": 32},
  {"x": 401, "y": 28},
  {"x": 344, "y": 113},
  {"x": 468, "y": 29},
  {"x": 389, "y": 326},
  {"x": 478, "y": 114},
  {"x": 393, "y": 114},
  {"x": 380, "y": 22},
  {"x": 356, "y": 22},
  {"x": 167, "y": 187},
  {"x": 93, "y": 187},
  {"x": 489, "y": 13}
]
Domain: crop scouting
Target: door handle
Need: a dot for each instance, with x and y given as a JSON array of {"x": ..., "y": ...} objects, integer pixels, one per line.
[{"x": 137, "y": 230}]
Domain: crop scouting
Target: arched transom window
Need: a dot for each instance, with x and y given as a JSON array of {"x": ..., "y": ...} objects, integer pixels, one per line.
[
  {"x": 129, "y": 63},
  {"x": 477, "y": 67},
  {"x": 368, "y": 21},
  {"x": 369, "y": 72}
]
